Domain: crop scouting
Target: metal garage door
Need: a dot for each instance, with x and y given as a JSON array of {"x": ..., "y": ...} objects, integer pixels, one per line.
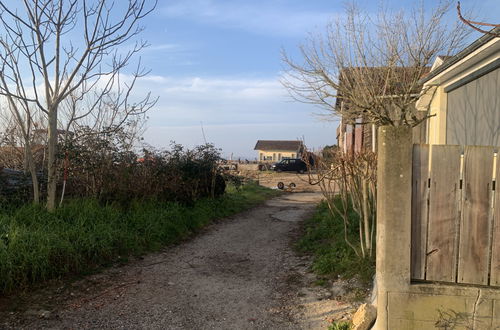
[{"x": 474, "y": 112}]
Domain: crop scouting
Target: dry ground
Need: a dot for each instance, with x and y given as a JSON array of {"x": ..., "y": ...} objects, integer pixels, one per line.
[
  {"x": 240, "y": 273},
  {"x": 270, "y": 179}
]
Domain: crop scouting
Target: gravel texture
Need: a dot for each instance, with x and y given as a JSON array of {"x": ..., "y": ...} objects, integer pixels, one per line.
[{"x": 239, "y": 273}]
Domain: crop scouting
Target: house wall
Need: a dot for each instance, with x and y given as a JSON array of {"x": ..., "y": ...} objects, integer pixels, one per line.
[
  {"x": 364, "y": 137},
  {"x": 358, "y": 138},
  {"x": 439, "y": 107},
  {"x": 437, "y": 110},
  {"x": 354, "y": 139},
  {"x": 348, "y": 138},
  {"x": 275, "y": 155}
]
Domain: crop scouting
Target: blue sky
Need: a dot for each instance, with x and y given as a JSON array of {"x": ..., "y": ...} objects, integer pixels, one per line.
[{"x": 217, "y": 62}]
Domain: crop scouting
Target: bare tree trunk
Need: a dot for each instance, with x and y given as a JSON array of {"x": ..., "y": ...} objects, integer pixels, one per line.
[
  {"x": 26, "y": 168},
  {"x": 31, "y": 167},
  {"x": 34, "y": 179},
  {"x": 51, "y": 162},
  {"x": 366, "y": 216}
]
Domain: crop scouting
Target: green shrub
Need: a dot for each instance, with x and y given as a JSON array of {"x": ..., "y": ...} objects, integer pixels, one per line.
[{"x": 103, "y": 167}]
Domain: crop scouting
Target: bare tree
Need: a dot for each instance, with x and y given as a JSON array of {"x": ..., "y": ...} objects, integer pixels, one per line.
[
  {"x": 55, "y": 49},
  {"x": 95, "y": 114},
  {"x": 348, "y": 183},
  {"x": 98, "y": 113},
  {"x": 369, "y": 67}
]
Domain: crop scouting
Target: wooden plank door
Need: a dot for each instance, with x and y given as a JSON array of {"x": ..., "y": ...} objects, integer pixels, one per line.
[
  {"x": 495, "y": 246},
  {"x": 444, "y": 197},
  {"x": 475, "y": 223},
  {"x": 420, "y": 176}
]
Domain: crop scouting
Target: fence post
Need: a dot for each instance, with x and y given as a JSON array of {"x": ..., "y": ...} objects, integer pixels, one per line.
[{"x": 394, "y": 171}]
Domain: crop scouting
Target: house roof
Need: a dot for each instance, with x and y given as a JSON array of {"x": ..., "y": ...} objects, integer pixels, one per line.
[
  {"x": 283, "y": 145},
  {"x": 390, "y": 80},
  {"x": 384, "y": 81},
  {"x": 468, "y": 50}
]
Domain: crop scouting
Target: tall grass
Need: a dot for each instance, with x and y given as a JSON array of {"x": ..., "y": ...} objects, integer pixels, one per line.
[
  {"x": 36, "y": 245},
  {"x": 324, "y": 238}
]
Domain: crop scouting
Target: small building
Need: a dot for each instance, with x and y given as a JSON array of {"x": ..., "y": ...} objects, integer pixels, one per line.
[
  {"x": 462, "y": 95},
  {"x": 276, "y": 150}
]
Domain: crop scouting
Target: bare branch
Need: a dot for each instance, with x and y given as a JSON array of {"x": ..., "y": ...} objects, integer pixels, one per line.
[
  {"x": 473, "y": 24},
  {"x": 370, "y": 67}
]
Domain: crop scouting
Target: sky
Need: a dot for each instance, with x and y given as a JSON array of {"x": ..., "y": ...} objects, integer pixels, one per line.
[{"x": 216, "y": 67}]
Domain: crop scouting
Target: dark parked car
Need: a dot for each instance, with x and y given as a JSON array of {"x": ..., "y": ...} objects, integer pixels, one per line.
[{"x": 292, "y": 164}]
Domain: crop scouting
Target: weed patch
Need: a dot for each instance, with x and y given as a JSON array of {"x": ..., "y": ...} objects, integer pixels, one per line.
[
  {"x": 324, "y": 238},
  {"x": 343, "y": 325}
]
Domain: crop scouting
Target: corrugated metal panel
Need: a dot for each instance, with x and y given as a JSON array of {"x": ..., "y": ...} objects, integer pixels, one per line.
[{"x": 474, "y": 112}]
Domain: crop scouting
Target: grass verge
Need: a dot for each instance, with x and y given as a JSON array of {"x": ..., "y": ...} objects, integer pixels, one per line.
[
  {"x": 81, "y": 236},
  {"x": 324, "y": 239}
]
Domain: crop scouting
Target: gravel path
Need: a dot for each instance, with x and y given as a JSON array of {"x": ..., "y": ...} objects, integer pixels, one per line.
[{"x": 240, "y": 273}]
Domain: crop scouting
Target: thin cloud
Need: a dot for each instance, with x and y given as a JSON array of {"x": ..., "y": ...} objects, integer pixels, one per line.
[
  {"x": 224, "y": 87},
  {"x": 166, "y": 47},
  {"x": 220, "y": 100}
]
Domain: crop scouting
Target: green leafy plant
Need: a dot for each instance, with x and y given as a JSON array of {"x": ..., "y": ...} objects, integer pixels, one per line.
[{"x": 342, "y": 325}]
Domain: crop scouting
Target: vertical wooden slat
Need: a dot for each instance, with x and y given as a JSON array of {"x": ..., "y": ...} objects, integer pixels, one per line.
[
  {"x": 420, "y": 177},
  {"x": 443, "y": 213},
  {"x": 495, "y": 246},
  {"x": 474, "y": 233}
]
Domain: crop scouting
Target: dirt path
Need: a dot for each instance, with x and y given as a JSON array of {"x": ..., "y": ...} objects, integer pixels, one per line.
[{"x": 241, "y": 273}]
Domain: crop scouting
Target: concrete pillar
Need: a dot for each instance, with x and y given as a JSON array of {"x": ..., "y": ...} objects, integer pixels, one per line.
[{"x": 393, "y": 216}]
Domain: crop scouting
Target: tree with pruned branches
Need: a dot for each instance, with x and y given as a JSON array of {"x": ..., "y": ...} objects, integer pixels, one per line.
[
  {"x": 370, "y": 67},
  {"x": 70, "y": 56}
]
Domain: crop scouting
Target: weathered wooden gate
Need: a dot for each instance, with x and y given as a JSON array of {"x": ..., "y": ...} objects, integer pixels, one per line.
[{"x": 455, "y": 215}]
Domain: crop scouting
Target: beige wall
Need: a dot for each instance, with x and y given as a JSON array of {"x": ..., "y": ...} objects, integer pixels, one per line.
[
  {"x": 437, "y": 123},
  {"x": 275, "y": 155}
]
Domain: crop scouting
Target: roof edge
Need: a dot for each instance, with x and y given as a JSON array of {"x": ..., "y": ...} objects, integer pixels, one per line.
[{"x": 468, "y": 50}]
